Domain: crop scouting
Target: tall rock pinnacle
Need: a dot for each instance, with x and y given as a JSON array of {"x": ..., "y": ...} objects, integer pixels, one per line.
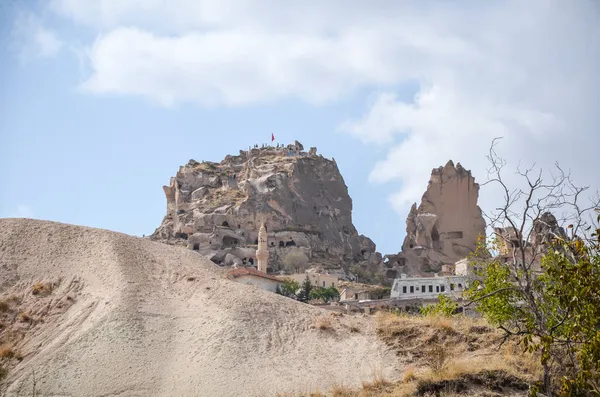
[{"x": 444, "y": 228}]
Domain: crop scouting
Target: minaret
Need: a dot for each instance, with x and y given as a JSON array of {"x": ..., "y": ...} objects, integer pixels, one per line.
[{"x": 262, "y": 253}]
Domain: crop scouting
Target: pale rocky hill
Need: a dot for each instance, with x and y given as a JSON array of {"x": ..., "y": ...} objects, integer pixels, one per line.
[
  {"x": 97, "y": 313},
  {"x": 217, "y": 208}
]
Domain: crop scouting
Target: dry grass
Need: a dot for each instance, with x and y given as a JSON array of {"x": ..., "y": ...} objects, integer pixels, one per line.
[
  {"x": 448, "y": 357},
  {"x": 324, "y": 323},
  {"x": 41, "y": 288},
  {"x": 376, "y": 387},
  {"x": 25, "y": 317},
  {"x": 343, "y": 391},
  {"x": 4, "y": 306},
  {"x": 437, "y": 357},
  {"x": 442, "y": 349},
  {"x": 7, "y": 351},
  {"x": 409, "y": 375},
  {"x": 508, "y": 358},
  {"x": 440, "y": 322}
]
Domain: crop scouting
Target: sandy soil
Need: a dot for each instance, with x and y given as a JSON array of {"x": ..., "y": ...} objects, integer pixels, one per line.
[{"x": 131, "y": 317}]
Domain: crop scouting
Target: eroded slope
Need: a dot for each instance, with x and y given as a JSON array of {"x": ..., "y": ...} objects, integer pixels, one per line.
[{"x": 144, "y": 318}]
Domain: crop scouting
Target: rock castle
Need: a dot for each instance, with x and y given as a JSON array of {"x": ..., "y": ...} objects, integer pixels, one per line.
[{"x": 218, "y": 209}]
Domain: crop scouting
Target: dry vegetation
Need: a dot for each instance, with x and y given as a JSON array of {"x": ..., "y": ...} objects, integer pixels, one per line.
[
  {"x": 323, "y": 323},
  {"x": 220, "y": 197},
  {"x": 446, "y": 357},
  {"x": 207, "y": 166},
  {"x": 40, "y": 288},
  {"x": 21, "y": 313}
]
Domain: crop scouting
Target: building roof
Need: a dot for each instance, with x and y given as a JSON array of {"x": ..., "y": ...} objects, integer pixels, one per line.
[
  {"x": 359, "y": 287},
  {"x": 250, "y": 271}
]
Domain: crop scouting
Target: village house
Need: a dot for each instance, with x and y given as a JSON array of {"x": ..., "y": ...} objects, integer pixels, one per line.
[
  {"x": 322, "y": 280},
  {"x": 251, "y": 276},
  {"x": 360, "y": 292}
]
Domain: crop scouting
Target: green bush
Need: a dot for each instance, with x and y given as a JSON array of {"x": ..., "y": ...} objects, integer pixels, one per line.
[{"x": 445, "y": 307}]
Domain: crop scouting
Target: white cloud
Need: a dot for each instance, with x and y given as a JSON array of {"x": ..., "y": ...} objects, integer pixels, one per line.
[
  {"x": 533, "y": 84},
  {"x": 523, "y": 70},
  {"x": 32, "y": 40},
  {"x": 214, "y": 53}
]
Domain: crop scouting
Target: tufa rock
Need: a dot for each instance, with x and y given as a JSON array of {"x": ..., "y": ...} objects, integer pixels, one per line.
[
  {"x": 444, "y": 228},
  {"x": 302, "y": 198}
]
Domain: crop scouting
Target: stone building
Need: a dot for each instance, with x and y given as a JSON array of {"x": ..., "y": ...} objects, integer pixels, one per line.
[
  {"x": 407, "y": 287},
  {"x": 316, "y": 279},
  {"x": 251, "y": 276},
  {"x": 350, "y": 291}
]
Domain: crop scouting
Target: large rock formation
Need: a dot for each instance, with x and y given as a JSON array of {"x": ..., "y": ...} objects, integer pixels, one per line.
[
  {"x": 444, "y": 228},
  {"x": 217, "y": 208}
]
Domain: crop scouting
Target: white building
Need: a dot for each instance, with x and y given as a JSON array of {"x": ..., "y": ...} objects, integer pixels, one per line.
[{"x": 427, "y": 287}]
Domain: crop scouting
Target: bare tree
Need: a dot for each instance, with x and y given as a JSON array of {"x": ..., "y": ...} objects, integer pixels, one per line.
[
  {"x": 522, "y": 209},
  {"x": 523, "y": 225},
  {"x": 295, "y": 261}
]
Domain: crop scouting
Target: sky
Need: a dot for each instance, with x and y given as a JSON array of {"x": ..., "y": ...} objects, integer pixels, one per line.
[{"x": 102, "y": 100}]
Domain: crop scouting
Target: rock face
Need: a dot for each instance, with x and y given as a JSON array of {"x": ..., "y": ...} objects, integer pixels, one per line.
[
  {"x": 545, "y": 229},
  {"x": 217, "y": 209},
  {"x": 444, "y": 228}
]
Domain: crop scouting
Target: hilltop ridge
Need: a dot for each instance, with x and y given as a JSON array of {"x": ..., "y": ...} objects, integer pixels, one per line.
[{"x": 92, "y": 312}]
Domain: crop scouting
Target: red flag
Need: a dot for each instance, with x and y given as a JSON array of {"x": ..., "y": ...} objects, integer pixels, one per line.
[{"x": 272, "y": 137}]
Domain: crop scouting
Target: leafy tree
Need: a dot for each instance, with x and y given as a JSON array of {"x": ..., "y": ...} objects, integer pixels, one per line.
[
  {"x": 445, "y": 307},
  {"x": 332, "y": 294},
  {"x": 289, "y": 288},
  {"x": 295, "y": 261},
  {"x": 381, "y": 292},
  {"x": 573, "y": 286},
  {"x": 544, "y": 294},
  {"x": 306, "y": 288},
  {"x": 316, "y": 293},
  {"x": 325, "y": 294}
]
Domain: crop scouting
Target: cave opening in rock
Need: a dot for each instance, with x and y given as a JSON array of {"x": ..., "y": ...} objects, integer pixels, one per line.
[
  {"x": 196, "y": 247},
  {"x": 225, "y": 223},
  {"x": 290, "y": 243},
  {"x": 281, "y": 244},
  {"x": 229, "y": 242},
  {"x": 435, "y": 235}
]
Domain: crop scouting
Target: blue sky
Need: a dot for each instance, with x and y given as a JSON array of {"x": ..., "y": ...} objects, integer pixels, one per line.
[{"x": 102, "y": 101}]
